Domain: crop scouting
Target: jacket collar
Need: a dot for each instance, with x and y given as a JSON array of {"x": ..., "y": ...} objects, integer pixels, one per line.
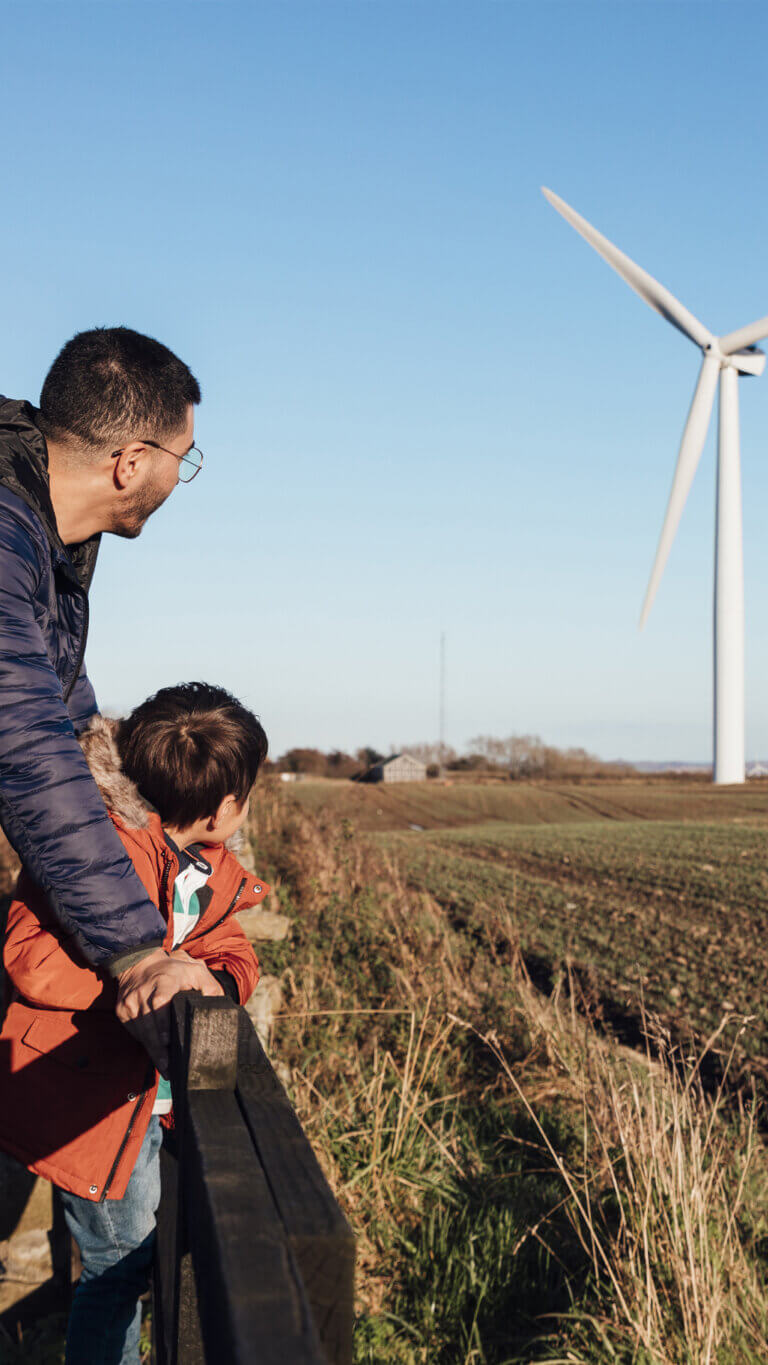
[
  {"x": 24, "y": 470},
  {"x": 234, "y": 886}
]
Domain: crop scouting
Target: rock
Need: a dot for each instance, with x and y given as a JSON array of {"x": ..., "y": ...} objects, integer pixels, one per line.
[
  {"x": 264, "y": 1004},
  {"x": 245, "y": 856},
  {"x": 238, "y": 844},
  {"x": 264, "y": 924},
  {"x": 283, "y": 1073},
  {"x": 24, "y": 1201},
  {"x": 26, "y": 1257}
]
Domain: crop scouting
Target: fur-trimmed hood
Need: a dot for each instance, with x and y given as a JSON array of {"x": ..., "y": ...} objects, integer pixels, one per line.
[{"x": 121, "y": 796}]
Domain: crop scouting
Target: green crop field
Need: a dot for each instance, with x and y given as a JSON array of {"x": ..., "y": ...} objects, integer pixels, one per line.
[{"x": 652, "y": 889}]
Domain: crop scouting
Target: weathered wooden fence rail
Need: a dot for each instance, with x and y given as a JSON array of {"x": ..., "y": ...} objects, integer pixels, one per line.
[{"x": 255, "y": 1259}]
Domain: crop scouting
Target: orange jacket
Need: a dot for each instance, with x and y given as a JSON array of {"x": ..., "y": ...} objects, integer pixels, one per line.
[{"x": 76, "y": 1090}]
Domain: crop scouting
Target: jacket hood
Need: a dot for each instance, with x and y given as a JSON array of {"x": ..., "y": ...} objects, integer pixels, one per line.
[
  {"x": 24, "y": 471},
  {"x": 121, "y": 796}
]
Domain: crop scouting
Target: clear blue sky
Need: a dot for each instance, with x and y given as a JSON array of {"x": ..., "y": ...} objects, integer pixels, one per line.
[{"x": 427, "y": 404}]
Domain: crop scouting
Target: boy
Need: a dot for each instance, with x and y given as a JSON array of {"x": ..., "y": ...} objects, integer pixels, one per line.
[{"x": 80, "y": 1101}]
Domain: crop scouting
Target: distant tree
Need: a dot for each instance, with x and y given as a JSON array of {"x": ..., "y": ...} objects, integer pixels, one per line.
[
  {"x": 303, "y": 761},
  {"x": 524, "y": 755},
  {"x": 491, "y": 749},
  {"x": 467, "y": 763},
  {"x": 528, "y": 756},
  {"x": 368, "y": 756},
  {"x": 340, "y": 764}
]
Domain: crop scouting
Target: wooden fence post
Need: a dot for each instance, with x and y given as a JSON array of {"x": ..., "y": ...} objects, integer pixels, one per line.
[
  {"x": 240, "y": 1298},
  {"x": 317, "y": 1231}
]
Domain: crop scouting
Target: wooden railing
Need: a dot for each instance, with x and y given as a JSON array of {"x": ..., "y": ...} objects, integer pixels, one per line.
[{"x": 255, "y": 1259}]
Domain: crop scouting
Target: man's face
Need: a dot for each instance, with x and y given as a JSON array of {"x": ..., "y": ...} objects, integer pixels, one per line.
[{"x": 156, "y": 477}]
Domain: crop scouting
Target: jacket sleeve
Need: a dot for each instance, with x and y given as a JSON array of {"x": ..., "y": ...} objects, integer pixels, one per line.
[
  {"x": 227, "y": 983},
  {"x": 81, "y": 703},
  {"x": 227, "y": 949},
  {"x": 50, "y": 807},
  {"x": 40, "y": 966}
]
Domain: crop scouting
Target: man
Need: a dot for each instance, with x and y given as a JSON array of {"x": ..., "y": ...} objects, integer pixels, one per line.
[{"x": 106, "y": 447}]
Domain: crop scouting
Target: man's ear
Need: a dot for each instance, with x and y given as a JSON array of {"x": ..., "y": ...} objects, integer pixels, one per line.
[{"x": 129, "y": 463}]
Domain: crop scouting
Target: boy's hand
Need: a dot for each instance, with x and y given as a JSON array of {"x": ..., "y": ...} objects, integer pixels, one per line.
[{"x": 145, "y": 991}]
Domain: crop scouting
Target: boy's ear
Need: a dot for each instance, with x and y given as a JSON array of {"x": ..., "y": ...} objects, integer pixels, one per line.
[{"x": 225, "y": 809}]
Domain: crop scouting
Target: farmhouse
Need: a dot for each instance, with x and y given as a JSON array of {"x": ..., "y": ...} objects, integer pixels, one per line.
[{"x": 397, "y": 768}]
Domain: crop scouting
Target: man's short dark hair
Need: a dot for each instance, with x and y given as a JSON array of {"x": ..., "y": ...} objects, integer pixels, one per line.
[
  {"x": 112, "y": 385},
  {"x": 189, "y": 746}
]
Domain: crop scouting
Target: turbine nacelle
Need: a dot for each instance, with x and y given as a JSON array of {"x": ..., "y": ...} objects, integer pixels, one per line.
[{"x": 751, "y": 360}]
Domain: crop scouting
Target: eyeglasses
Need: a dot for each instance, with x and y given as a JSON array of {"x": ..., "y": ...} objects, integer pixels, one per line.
[{"x": 193, "y": 457}]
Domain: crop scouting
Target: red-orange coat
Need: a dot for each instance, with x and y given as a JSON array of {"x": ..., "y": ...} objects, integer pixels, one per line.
[{"x": 76, "y": 1090}]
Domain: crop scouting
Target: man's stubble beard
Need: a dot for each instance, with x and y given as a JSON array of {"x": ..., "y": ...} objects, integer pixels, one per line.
[{"x": 133, "y": 518}]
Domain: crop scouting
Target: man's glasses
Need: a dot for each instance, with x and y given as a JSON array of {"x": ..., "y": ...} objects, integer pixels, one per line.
[{"x": 193, "y": 458}]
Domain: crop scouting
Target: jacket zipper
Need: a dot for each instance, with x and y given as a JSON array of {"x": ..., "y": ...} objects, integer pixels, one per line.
[
  {"x": 168, "y": 859},
  {"x": 210, "y": 927},
  {"x": 81, "y": 651},
  {"x": 137, "y": 1108}
]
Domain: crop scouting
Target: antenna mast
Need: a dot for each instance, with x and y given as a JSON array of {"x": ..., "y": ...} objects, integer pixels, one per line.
[{"x": 442, "y": 698}]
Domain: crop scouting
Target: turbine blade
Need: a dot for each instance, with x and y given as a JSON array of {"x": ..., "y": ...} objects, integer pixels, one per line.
[
  {"x": 745, "y": 336},
  {"x": 691, "y": 446},
  {"x": 638, "y": 279}
]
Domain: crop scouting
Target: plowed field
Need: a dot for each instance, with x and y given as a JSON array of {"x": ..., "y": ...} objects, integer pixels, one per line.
[{"x": 651, "y": 889}]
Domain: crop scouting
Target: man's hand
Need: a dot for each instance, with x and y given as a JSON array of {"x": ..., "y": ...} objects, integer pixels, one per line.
[{"x": 145, "y": 991}]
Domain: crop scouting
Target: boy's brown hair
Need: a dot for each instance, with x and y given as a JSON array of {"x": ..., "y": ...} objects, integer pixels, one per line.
[{"x": 189, "y": 746}]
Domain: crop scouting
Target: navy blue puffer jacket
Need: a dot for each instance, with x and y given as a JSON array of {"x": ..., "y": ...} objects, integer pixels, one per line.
[{"x": 50, "y": 808}]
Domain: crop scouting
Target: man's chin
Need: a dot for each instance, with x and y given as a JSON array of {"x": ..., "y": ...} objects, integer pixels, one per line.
[
  {"x": 135, "y": 516},
  {"x": 129, "y": 530}
]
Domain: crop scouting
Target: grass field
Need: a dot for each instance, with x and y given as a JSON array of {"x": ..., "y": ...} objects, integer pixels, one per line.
[{"x": 651, "y": 888}]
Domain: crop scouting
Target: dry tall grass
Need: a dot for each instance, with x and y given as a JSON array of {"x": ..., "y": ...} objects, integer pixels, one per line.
[{"x": 659, "y": 1199}]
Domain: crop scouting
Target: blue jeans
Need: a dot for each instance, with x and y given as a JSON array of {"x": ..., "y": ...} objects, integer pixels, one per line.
[{"x": 117, "y": 1242}]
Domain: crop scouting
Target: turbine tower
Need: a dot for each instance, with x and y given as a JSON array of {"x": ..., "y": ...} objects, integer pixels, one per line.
[{"x": 725, "y": 358}]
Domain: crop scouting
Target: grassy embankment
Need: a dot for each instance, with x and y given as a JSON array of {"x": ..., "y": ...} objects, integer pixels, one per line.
[{"x": 523, "y": 1187}]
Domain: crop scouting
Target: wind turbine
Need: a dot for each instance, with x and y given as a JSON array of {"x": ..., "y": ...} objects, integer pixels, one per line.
[{"x": 725, "y": 357}]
